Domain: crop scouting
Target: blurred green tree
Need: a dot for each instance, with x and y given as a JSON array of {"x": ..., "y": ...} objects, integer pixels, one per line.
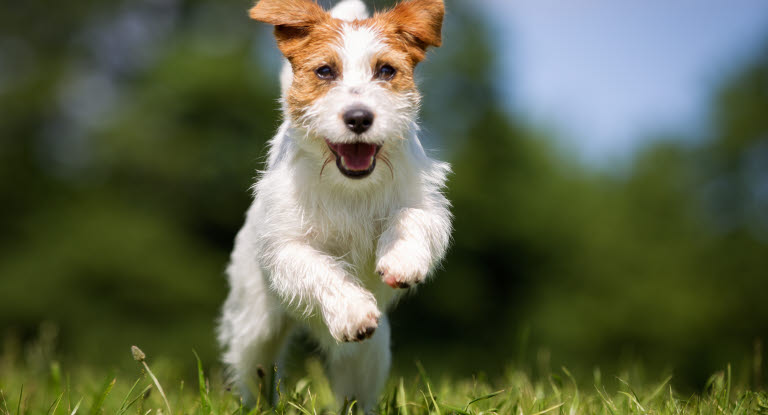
[{"x": 131, "y": 132}]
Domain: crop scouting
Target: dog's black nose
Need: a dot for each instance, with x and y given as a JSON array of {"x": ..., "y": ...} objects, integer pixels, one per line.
[{"x": 358, "y": 120}]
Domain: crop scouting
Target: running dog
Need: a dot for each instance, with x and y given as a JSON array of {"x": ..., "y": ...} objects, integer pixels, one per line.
[{"x": 349, "y": 212}]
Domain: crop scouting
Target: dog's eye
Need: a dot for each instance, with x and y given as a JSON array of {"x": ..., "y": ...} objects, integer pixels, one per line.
[
  {"x": 325, "y": 72},
  {"x": 386, "y": 72}
]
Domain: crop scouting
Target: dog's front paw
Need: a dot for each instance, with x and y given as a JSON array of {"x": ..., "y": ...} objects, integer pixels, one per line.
[
  {"x": 357, "y": 323},
  {"x": 403, "y": 267}
]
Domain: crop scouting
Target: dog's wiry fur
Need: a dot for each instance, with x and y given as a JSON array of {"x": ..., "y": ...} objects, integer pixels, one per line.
[{"x": 319, "y": 249}]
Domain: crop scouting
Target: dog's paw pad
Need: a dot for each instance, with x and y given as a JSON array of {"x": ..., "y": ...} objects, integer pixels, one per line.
[{"x": 395, "y": 281}]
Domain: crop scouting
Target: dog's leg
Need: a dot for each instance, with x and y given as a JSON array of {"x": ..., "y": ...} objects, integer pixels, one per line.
[
  {"x": 359, "y": 371},
  {"x": 260, "y": 368},
  {"x": 253, "y": 351},
  {"x": 412, "y": 243},
  {"x": 309, "y": 280},
  {"x": 253, "y": 328}
]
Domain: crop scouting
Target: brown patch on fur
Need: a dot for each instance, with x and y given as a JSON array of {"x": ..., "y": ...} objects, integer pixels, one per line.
[
  {"x": 399, "y": 59},
  {"x": 408, "y": 30},
  {"x": 294, "y": 13},
  {"x": 311, "y": 53},
  {"x": 413, "y": 26},
  {"x": 305, "y": 35}
]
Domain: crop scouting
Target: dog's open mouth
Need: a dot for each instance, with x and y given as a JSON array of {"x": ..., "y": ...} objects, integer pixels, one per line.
[{"x": 355, "y": 160}]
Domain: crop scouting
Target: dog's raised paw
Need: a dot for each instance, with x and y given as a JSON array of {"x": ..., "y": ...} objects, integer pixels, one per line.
[{"x": 403, "y": 266}]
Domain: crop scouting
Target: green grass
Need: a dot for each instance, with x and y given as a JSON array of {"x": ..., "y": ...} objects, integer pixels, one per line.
[{"x": 41, "y": 387}]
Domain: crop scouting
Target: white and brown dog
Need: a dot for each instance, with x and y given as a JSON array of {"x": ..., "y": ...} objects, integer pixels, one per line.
[{"x": 328, "y": 248}]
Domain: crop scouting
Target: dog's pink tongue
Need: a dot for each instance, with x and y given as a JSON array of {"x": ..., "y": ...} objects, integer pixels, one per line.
[{"x": 357, "y": 156}]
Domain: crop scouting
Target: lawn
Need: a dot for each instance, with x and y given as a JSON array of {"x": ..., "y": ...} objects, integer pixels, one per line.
[{"x": 33, "y": 385}]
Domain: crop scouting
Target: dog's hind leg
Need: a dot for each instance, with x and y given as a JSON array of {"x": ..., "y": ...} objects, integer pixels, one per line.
[
  {"x": 253, "y": 329},
  {"x": 253, "y": 350},
  {"x": 358, "y": 371}
]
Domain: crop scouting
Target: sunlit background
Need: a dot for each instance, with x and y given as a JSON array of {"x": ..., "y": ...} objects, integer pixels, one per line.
[
  {"x": 647, "y": 67},
  {"x": 610, "y": 181}
]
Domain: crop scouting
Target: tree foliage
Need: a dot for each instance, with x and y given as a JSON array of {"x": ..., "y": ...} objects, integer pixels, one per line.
[{"x": 131, "y": 132}]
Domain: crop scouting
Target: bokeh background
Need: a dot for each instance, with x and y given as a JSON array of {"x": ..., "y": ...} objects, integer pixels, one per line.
[{"x": 610, "y": 185}]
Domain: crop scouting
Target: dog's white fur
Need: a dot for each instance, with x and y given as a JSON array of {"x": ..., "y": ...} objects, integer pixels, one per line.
[{"x": 312, "y": 244}]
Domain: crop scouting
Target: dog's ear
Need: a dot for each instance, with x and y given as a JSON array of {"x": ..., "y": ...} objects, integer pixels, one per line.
[
  {"x": 293, "y": 20},
  {"x": 290, "y": 13},
  {"x": 420, "y": 23}
]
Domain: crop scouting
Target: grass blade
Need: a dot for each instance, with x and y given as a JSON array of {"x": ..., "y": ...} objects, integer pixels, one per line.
[
  {"x": 128, "y": 395},
  {"x": 77, "y": 406},
  {"x": 179, "y": 401},
  {"x": 633, "y": 399},
  {"x": 128, "y": 406},
  {"x": 400, "y": 399},
  {"x": 482, "y": 398},
  {"x": 205, "y": 399},
  {"x": 5, "y": 404},
  {"x": 300, "y": 408},
  {"x": 99, "y": 401},
  {"x": 575, "y": 402},
  {"x": 455, "y": 409},
  {"x": 434, "y": 401},
  {"x": 139, "y": 356},
  {"x": 422, "y": 373},
  {"x": 607, "y": 403},
  {"x": 728, "y": 386},
  {"x": 21, "y": 396},
  {"x": 159, "y": 388},
  {"x": 425, "y": 379},
  {"x": 658, "y": 391},
  {"x": 55, "y": 404},
  {"x": 350, "y": 407},
  {"x": 632, "y": 395},
  {"x": 549, "y": 409}
]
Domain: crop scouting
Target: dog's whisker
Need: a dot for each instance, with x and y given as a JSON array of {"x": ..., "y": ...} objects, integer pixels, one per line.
[
  {"x": 389, "y": 165},
  {"x": 327, "y": 160}
]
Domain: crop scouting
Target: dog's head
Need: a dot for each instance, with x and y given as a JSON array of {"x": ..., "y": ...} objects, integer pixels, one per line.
[{"x": 353, "y": 90}]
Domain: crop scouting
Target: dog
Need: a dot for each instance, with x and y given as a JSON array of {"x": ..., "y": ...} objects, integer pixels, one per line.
[{"x": 349, "y": 212}]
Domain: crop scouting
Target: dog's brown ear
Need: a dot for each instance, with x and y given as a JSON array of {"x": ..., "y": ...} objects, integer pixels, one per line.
[
  {"x": 420, "y": 22},
  {"x": 293, "y": 20},
  {"x": 293, "y": 13}
]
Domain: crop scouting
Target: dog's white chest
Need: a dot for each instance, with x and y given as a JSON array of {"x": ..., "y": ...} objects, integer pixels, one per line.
[{"x": 350, "y": 234}]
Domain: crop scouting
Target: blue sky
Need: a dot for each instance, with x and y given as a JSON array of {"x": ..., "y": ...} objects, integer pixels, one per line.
[{"x": 606, "y": 74}]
